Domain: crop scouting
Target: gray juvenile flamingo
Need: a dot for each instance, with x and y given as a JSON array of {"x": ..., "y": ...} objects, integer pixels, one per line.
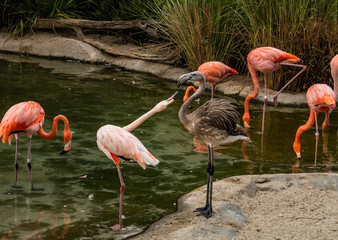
[{"x": 215, "y": 123}]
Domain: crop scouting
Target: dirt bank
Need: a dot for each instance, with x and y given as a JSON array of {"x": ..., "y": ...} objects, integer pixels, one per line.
[{"x": 282, "y": 206}]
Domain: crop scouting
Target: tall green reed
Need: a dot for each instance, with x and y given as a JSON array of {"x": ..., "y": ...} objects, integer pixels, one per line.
[{"x": 202, "y": 30}]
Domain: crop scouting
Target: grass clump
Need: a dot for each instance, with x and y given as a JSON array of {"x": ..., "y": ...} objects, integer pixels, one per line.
[
  {"x": 201, "y": 30},
  {"x": 305, "y": 28}
]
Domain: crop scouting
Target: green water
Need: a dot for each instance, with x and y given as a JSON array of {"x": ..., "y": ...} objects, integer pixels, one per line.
[{"x": 90, "y": 96}]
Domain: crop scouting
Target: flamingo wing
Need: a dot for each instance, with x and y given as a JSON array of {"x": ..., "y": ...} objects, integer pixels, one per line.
[
  {"x": 218, "y": 115},
  {"x": 216, "y": 71},
  {"x": 26, "y": 117},
  {"x": 116, "y": 141},
  {"x": 266, "y": 59}
]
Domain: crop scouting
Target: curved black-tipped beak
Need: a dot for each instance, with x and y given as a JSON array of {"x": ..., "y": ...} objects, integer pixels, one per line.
[
  {"x": 184, "y": 78},
  {"x": 63, "y": 152},
  {"x": 301, "y": 159},
  {"x": 175, "y": 96}
]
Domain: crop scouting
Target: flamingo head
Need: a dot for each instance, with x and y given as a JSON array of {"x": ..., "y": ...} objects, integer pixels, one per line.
[
  {"x": 296, "y": 148},
  {"x": 192, "y": 76},
  {"x": 67, "y": 138},
  {"x": 163, "y": 104}
]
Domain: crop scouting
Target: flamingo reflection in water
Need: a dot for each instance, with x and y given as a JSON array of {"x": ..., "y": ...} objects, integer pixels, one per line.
[
  {"x": 320, "y": 98},
  {"x": 120, "y": 145},
  {"x": 215, "y": 123}
]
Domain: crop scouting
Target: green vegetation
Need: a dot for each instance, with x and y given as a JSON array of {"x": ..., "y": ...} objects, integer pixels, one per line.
[{"x": 205, "y": 30}]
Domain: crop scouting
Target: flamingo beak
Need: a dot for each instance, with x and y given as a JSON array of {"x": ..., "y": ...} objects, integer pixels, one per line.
[
  {"x": 63, "y": 152},
  {"x": 175, "y": 96},
  {"x": 184, "y": 78},
  {"x": 66, "y": 148}
]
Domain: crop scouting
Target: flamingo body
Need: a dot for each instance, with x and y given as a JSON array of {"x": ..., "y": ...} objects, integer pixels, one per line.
[
  {"x": 25, "y": 117},
  {"x": 215, "y": 71},
  {"x": 114, "y": 140},
  {"x": 268, "y": 59},
  {"x": 320, "y": 98},
  {"x": 334, "y": 73}
]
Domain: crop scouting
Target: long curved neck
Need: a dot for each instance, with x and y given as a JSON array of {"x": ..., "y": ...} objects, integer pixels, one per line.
[
  {"x": 253, "y": 73},
  {"x": 140, "y": 120},
  {"x": 183, "y": 113},
  {"x": 53, "y": 132},
  {"x": 302, "y": 129}
]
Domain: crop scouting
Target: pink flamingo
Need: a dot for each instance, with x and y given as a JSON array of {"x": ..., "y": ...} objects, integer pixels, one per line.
[
  {"x": 266, "y": 60},
  {"x": 27, "y": 118},
  {"x": 120, "y": 145},
  {"x": 214, "y": 73},
  {"x": 320, "y": 98}
]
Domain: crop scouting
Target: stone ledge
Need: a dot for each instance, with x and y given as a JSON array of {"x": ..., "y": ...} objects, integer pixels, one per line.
[{"x": 230, "y": 199}]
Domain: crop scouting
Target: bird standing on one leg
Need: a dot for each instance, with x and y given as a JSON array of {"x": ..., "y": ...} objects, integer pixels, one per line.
[
  {"x": 27, "y": 118},
  {"x": 266, "y": 60},
  {"x": 215, "y": 123},
  {"x": 320, "y": 98},
  {"x": 120, "y": 145}
]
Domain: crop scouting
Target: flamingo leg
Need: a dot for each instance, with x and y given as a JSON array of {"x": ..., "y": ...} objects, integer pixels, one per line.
[
  {"x": 289, "y": 64},
  {"x": 326, "y": 122},
  {"x": 317, "y": 137},
  {"x": 212, "y": 90},
  {"x": 207, "y": 210},
  {"x": 264, "y": 106},
  {"x": 29, "y": 165},
  {"x": 16, "y": 165},
  {"x": 122, "y": 188}
]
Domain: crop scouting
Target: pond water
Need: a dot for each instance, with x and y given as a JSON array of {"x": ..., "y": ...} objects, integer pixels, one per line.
[{"x": 91, "y": 96}]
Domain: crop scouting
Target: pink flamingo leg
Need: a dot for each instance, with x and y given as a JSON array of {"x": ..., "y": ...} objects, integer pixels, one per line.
[
  {"x": 212, "y": 90},
  {"x": 16, "y": 165},
  {"x": 122, "y": 188},
  {"x": 29, "y": 139},
  {"x": 289, "y": 64},
  {"x": 264, "y": 106},
  {"x": 317, "y": 137},
  {"x": 326, "y": 122}
]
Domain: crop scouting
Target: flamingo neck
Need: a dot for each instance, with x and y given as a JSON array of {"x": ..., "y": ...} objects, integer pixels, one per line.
[
  {"x": 183, "y": 113},
  {"x": 53, "y": 132},
  {"x": 253, "y": 73},
  {"x": 140, "y": 120},
  {"x": 302, "y": 129}
]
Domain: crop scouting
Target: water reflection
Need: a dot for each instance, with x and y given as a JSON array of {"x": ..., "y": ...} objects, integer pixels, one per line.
[
  {"x": 94, "y": 95},
  {"x": 25, "y": 225}
]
